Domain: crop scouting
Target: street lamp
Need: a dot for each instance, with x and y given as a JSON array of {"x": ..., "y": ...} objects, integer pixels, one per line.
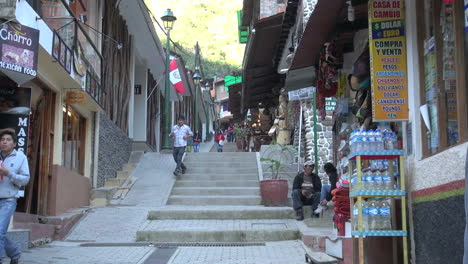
[
  {"x": 207, "y": 107},
  {"x": 168, "y": 19},
  {"x": 196, "y": 79}
]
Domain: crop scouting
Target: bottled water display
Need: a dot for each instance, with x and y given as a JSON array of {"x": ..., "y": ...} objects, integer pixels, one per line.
[
  {"x": 365, "y": 215},
  {"x": 385, "y": 216},
  {"x": 355, "y": 216},
  {"x": 373, "y": 140}
]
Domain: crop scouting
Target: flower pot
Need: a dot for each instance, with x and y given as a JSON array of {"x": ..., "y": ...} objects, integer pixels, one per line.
[{"x": 274, "y": 192}]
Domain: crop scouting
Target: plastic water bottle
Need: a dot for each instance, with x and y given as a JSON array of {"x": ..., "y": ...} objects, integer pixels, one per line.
[
  {"x": 379, "y": 140},
  {"x": 385, "y": 215},
  {"x": 365, "y": 215},
  {"x": 394, "y": 140},
  {"x": 355, "y": 217},
  {"x": 364, "y": 182},
  {"x": 371, "y": 140},
  {"x": 352, "y": 137},
  {"x": 374, "y": 215},
  {"x": 364, "y": 140},
  {"x": 387, "y": 179},
  {"x": 378, "y": 182},
  {"x": 358, "y": 141},
  {"x": 354, "y": 185}
]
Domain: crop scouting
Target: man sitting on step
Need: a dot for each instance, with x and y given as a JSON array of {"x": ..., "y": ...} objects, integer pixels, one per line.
[{"x": 306, "y": 190}]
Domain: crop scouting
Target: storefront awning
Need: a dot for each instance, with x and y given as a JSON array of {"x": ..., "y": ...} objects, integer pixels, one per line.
[
  {"x": 259, "y": 74},
  {"x": 321, "y": 23}
]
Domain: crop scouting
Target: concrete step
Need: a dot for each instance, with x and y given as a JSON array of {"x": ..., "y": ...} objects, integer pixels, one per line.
[
  {"x": 123, "y": 174},
  {"x": 222, "y": 164},
  {"x": 210, "y": 183},
  {"x": 129, "y": 167},
  {"x": 39, "y": 233},
  {"x": 220, "y": 159},
  {"x": 20, "y": 237},
  {"x": 101, "y": 196},
  {"x": 325, "y": 219},
  {"x": 214, "y": 200},
  {"x": 221, "y": 154},
  {"x": 114, "y": 182},
  {"x": 219, "y": 231},
  {"x": 222, "y": 170},
  {"x": 206, "y": 191},
  {"x": 217, "y": 177},
  {"x": 221, "y": 213}
]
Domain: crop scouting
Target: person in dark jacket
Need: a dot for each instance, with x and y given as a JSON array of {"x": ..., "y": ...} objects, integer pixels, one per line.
[
  {"x": 306, "y": 190},
  {"x": 325, "y": 194}
]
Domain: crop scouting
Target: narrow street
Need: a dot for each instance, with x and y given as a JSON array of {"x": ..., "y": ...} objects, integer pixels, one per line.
[{"x": 210, "y": 215}]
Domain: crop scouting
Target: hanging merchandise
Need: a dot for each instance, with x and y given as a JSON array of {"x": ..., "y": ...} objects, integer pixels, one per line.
[
  {"x": 327, "y": 72},
  {"x": 359, "y": 81}
]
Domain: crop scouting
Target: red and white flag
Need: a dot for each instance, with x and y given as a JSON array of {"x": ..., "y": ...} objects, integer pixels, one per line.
[{"x": 175, "y": 77}]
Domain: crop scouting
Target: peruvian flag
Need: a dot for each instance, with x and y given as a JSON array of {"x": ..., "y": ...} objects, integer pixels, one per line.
[{"x": 174, "y": 75}]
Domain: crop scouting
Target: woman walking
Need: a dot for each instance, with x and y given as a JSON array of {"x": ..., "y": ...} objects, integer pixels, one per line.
[
  {"x": 196, "y": 141},
  {"x": 219, "y": 139}
]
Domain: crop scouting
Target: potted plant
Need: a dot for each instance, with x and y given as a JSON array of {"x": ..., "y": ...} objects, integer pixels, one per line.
[
  {"x": 274, "y": 191},
  {"x": 240, "y": 137}
]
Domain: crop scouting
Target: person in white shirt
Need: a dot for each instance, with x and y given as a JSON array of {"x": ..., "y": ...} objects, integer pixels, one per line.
[{"x": 180, "y": 133}]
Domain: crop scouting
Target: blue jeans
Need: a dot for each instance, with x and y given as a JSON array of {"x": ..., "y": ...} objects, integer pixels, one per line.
[
  {"x": 325, "y": 191},
  {"x": 220, "y": 148},
  {"x": 7, "y": 208},
  {"x": 299, "y": 201},
  {"x": 178, "y": 153},
  {"x": 196, "y": 147}
]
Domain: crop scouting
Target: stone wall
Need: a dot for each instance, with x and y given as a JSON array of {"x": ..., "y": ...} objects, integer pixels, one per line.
[
  {"x": 325, "y": 139},
  {"x": 114, "y": 149},
  {"x": 7, "y": 9}
]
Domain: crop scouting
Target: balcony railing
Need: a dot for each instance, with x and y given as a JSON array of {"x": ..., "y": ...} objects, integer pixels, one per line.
[{"x": 59, "y": 17}]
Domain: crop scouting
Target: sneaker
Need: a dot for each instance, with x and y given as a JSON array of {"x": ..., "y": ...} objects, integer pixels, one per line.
[
  {"x": 14, "y": 261},
  {"x": 184, "y": 170},
  {"x": 176, "y": 173},
  {"x": 299, "y": 215},
  {"x": 320, "y": 209}
]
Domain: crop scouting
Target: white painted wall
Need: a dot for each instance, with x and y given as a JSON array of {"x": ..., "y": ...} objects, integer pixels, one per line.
[
  {"x": 131, "y": 105},
  {"x": 140, "y": 107}
]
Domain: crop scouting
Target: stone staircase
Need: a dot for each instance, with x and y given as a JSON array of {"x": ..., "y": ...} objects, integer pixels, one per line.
[
  {"x": 118, "y": 187},
  {"x": 218, "y": 200}
]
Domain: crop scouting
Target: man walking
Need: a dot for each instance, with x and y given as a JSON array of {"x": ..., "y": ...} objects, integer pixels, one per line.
[
  {"x": 14, "y": 173},
  {"x": 306, "y": 190},
  {"x": 180, "y": 133}
]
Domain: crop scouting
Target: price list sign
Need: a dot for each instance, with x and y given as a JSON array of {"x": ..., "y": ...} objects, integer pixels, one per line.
[{"x": 388, "y": 60}]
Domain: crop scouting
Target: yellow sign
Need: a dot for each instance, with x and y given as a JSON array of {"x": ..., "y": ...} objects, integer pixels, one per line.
[
  {"x": 76, "y": 97},
  {"x": 388, "y": 60}
]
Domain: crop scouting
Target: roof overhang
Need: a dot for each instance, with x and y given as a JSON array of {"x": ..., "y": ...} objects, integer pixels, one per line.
[
  {"x": 259, "y": 72},
  {"x": 321, "y": 23}
]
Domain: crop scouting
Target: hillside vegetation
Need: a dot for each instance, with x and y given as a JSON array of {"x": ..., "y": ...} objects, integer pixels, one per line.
[{"x": 213, "y": 24}]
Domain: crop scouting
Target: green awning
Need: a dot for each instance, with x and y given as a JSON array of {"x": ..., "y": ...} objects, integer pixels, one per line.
[{"x": 230, "y": 80}]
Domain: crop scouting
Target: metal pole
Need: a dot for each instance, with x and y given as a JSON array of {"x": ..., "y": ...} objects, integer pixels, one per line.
[
  {"x": 167, "y": 125},
  {"x": 315, "y": 133},
  {"x": 300, "y": 140},
  {"x": 196, "y": 108}
]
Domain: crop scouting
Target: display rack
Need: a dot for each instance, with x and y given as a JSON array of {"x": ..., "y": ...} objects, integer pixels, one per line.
[{"x": 359, "y": 194}]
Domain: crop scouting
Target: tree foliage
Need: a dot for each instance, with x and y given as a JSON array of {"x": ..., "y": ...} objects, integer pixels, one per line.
[{"x": 213, "y": 24}]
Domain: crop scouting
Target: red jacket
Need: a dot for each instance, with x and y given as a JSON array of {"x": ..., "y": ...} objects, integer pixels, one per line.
[{"x": 219, "y": 137}]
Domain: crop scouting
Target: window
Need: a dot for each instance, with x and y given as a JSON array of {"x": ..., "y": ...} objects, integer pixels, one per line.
[
  {"x": 74, "y": 131},
  {"x": 443, "y": 86}
]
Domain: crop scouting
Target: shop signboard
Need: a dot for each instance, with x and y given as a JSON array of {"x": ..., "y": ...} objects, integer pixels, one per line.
[
  {"x": 19, "y": 51},
  {"x": 15, "y": 107},
  {"x": 330, "y": 104},
  {"x": 301, "y": 94},
  {"x": 76, "y": 97},
  {"x": 388, "y": 60}
]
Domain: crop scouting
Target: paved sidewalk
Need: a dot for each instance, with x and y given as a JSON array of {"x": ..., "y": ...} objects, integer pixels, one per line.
[{"x": 116, "y": 223}]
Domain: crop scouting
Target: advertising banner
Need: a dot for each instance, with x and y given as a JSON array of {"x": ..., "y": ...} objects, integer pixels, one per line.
[
  {"x": 15, "y": 107},
  {"x": 19, "y": 51},
  {"x": 388, "y": 60}
]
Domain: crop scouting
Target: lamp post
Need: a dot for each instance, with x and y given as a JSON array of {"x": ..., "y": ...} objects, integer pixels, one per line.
[
  {"x": 196, "y": 79},
  {"x": 168, "y": 19},
  {"x": 207, "y": 107}
]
